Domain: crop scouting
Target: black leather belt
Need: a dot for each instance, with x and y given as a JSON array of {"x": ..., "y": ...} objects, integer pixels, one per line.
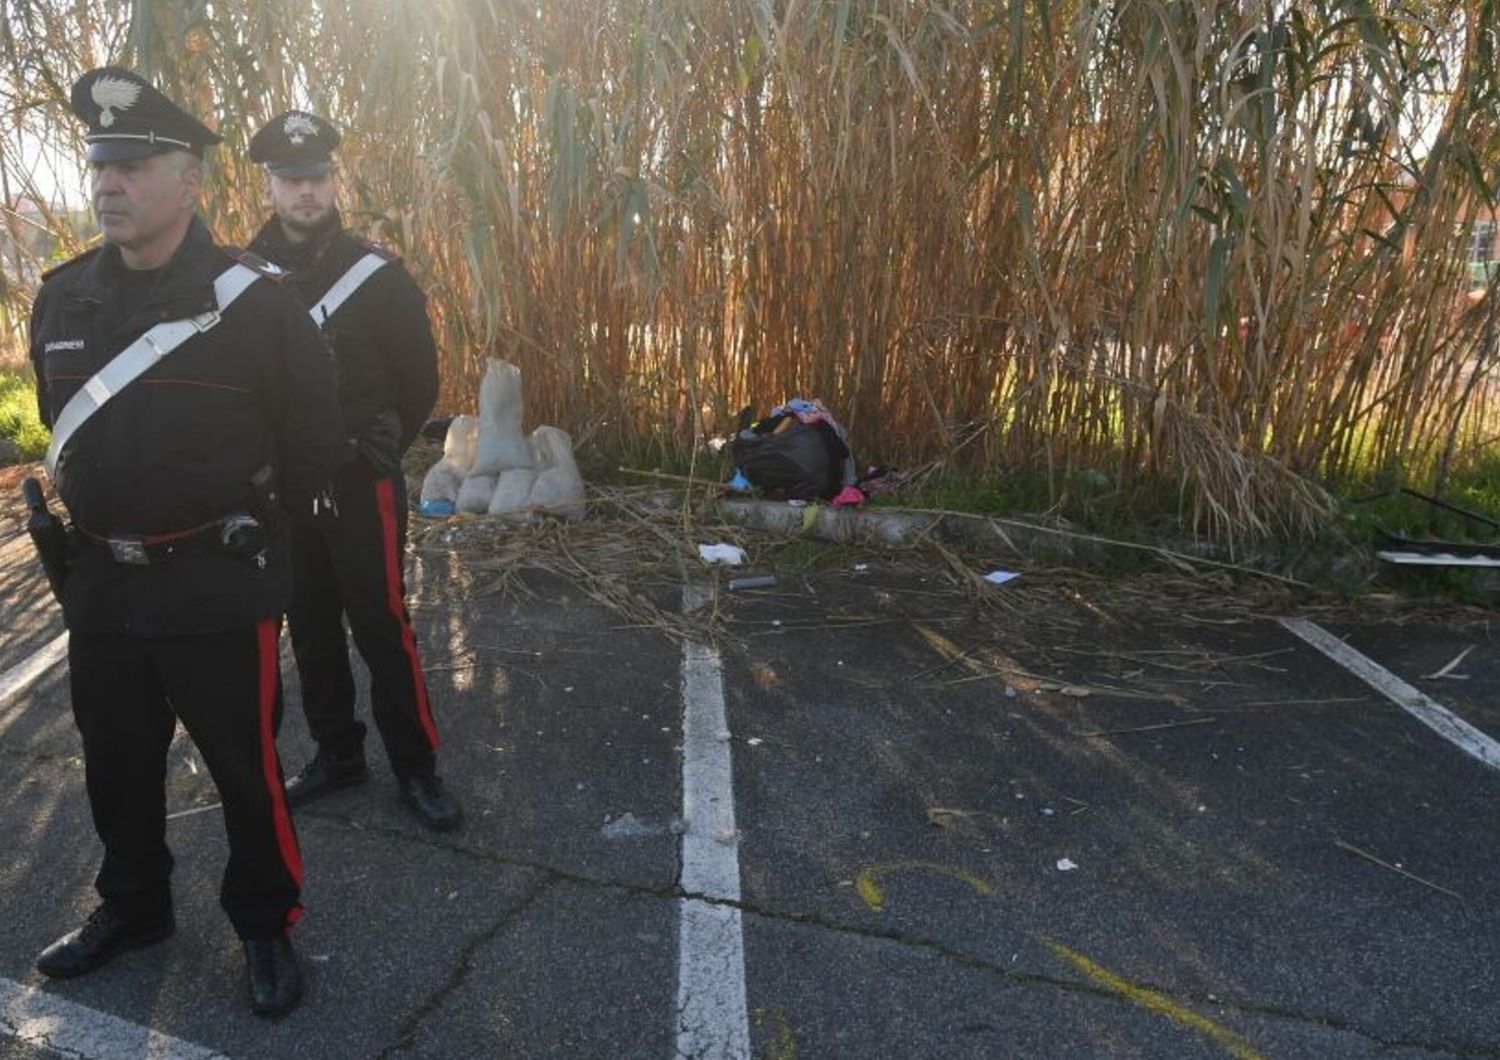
[{"x": 142, "y": 550}]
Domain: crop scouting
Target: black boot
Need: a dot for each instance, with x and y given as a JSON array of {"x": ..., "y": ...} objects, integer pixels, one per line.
[
  {"x": 104, "y": 936},
  {"x": 275, "y": 979},
  {"x": 431, "y": 802},
  {"x": 324, "y": 774}
]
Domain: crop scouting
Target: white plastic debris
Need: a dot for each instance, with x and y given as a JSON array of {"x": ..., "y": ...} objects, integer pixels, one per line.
[
  {"x": 501, "y": 444},
  {"x": 1000, "y": 577},
  {"x": 474, "y": 495},
  {"x": 728, "y": 555},
  {"x": 559, "y": 487},
  {"x": 1066, "y": 865}
]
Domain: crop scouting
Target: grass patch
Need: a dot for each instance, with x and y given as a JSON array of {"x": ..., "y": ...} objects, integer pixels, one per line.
[
  {"x": 1374, "y": 508},
  {"x": 18, "y": 416},
  {"x": 1380, "y": 508}
]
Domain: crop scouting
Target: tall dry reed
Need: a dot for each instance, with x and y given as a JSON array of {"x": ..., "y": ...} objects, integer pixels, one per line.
[{"x": 1211, "y": 246}]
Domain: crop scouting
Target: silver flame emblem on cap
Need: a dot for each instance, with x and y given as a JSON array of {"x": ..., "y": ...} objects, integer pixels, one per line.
[
  {"x": 112, "y": 94},
  {"x": 298, "y": 127}
]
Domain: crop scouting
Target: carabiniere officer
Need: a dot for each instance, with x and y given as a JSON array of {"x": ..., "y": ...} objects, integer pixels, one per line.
[
  {"x": 174, "y": 480},
  {"x": 349, "y": 554}
]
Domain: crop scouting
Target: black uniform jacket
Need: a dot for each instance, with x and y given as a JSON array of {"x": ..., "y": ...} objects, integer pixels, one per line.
[
  {"x": 177, "y": 447},
  {"x": 380, "y": 336}
]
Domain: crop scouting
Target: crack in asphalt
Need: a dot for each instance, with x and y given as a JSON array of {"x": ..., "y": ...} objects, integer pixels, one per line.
[
  {"x": 406, "y": 1037},
  {"x": 1028, "y": 979},
  {"x": 554, "y": 875}
]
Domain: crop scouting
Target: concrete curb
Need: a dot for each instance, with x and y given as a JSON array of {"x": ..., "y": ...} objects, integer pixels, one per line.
[{"x": 897, "y": 528}]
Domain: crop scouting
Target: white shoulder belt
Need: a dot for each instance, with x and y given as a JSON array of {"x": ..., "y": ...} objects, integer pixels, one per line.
[
  {"x": 344, "y": 286},
  {"x": 133, "y": 360}
]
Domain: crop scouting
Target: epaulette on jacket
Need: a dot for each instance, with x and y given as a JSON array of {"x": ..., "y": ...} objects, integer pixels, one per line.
[
  {"x": 78, "y": 259},
  {"x": 270, "y": 270}
]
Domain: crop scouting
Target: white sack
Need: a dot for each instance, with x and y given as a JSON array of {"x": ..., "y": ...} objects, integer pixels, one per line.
[
  {"x": 559, "y": 487},
  {"x": 461, "y": 443},
  {"x": 441, "y": 483},
  {"x": 474, "y": 495},
  {"x": 501, "y": 443},
  {"x": 511, "y": 494}
]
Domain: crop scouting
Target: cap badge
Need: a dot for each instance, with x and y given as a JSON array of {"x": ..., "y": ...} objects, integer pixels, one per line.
[
  {"x": 298, "y": 127},
  {"x": 112, "y": 94}
]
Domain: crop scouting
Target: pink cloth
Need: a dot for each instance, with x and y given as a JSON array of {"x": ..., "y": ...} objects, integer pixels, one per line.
[{"x": 849, "y": 495}]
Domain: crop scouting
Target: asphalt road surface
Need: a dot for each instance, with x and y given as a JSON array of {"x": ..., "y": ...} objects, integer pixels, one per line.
[{"x": 872, "y": 819}]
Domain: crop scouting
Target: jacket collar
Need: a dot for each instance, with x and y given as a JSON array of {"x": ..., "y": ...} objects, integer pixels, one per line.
[
  {"x": 185, "y": 286},
  {"x": 271, "y": 243}
]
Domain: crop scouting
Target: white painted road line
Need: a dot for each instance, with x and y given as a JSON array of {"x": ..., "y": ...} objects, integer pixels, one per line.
[
  {"x": 18, "y": 678},
  {"x": 36, "y": 1018},
  {"x": 712, "y": 1018},
  {"x": 1428, "y": 711}
]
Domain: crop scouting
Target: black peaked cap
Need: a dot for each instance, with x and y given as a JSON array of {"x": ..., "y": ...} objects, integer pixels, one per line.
[
  {"x": 128, "y": 118},
  {"x": 295, "y": 144}
]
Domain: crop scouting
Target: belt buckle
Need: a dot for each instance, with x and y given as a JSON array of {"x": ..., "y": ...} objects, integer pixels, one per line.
[
  {"x": 131, "y": 550},
  {"x": 204, "y": 321}
]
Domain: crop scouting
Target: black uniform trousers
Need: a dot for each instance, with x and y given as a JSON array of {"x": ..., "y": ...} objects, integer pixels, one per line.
[
  {"x": 352, "y": 563},
  {"x": 128, "y": 693}
]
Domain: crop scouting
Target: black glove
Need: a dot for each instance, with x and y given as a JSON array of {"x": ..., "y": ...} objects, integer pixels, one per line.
[{"x": 378, "y": 443}]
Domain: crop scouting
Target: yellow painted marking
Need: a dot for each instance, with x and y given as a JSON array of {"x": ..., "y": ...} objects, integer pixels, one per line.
[
  {"x": 1152, "y": 1001},
  {"x": 867, "y": 886},
  {"x": 782, "y": 1045},
  {"x": 946, "y": 648}
]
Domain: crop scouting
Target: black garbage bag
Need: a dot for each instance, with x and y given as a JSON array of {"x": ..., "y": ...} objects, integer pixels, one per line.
[{"x": 790, "y": 459}]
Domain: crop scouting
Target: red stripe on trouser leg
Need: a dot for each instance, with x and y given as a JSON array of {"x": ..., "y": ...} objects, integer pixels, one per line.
[
  {"x": 385, "y": 495},
  {"x": 267, "y": 633}
]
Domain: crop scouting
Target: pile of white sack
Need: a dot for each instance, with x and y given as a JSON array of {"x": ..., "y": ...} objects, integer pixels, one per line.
[{"x": 489, "y": 466}]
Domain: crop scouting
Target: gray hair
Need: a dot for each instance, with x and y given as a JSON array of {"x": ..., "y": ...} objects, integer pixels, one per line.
[{"x": 187, "y": 162}]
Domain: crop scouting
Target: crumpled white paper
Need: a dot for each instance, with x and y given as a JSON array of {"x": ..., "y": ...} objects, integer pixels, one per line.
[{"x": 728, "y": 555}]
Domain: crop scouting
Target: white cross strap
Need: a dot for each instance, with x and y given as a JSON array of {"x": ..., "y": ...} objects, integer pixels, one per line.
[
  {"x": 127, "y": 365},
  {"x": 344, "y": 286}
]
